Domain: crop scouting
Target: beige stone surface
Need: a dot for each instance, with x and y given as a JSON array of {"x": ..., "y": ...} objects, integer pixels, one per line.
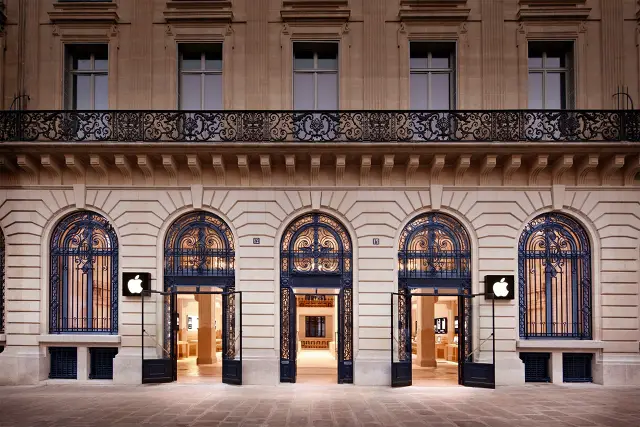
[{"x": 374, "y": 189}]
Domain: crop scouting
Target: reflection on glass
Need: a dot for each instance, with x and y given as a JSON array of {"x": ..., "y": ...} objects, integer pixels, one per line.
[
  {"x": 303, "y": 96},
  {"x": 535, "y": 90},
  {"x": 440, "y": 85},
  {"x": 419, "y": 91},
  {"x": 190, "y": 92},
  {"x": 213, "y": 91},
  {"x": 327, "y": 91}
]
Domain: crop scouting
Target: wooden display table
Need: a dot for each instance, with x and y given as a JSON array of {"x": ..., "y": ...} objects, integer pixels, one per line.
[
  {"x": 452, "y": 352},
  {"x": 184, "y": 346}
]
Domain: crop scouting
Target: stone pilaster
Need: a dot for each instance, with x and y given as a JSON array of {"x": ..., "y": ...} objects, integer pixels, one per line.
[{"x": 492, "y": 54}]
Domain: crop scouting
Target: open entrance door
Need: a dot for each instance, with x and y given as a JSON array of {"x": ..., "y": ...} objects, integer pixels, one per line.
[
  {"x": 400, "y": 339},
  {"x": 232, "y": 337},
  {"x": 477, "y": 364},
  {"x": 158, "y": 362}
]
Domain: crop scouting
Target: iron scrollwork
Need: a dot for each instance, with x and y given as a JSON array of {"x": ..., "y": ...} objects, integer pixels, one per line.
[
  {"x": 435, "y": 246},
  {"x": 84, "y": 275},
  {"x": 321, "y": 126},
  {"x": 201, "y": 244},
  {"x": 554, "y": 274},
  {"x": 316, "y": 246}
]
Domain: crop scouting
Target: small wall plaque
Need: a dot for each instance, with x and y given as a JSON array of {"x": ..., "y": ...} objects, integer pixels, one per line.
[
  {"x": 256, "y": 240},
  {"x": 376, "y": 241}
]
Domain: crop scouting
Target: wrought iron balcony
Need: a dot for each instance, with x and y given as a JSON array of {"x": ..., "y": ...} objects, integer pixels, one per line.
[{"x": 321, "y": 126}]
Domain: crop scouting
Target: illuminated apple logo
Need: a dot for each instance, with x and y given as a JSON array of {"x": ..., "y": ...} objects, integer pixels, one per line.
[
  {"x": 500, "y": 288},
  {"x": 135, "y": 285}
]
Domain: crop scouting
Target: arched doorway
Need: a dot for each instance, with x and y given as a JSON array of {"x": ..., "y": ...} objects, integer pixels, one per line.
[
  {"x": 434, "y": 266},
  {"x": 316, "y": 253},
  {"x": 199, "y": 275}
]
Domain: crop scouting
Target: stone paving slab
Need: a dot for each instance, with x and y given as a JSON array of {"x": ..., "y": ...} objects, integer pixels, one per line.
[{"x": 302, "y": 405}]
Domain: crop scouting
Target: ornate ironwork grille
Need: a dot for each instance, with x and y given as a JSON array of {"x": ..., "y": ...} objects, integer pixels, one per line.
[
  {"x": 321, "y": 126},
  {"x": 316, "y": 252},
  {"x": 434, "y": 251},
  {"x": 1, "y": 281},
  {"x": 84, "y": 275},
  {"x": 199, "y": 250},
  {"x": 554, "y": 263}
]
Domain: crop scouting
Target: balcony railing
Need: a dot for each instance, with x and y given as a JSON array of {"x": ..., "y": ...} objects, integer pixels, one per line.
[{"x": 321, "y": 126}]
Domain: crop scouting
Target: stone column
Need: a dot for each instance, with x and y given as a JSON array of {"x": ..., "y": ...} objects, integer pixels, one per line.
[
  {"x": 206, "y": 331},
  {"x": 426, "y": 333}
]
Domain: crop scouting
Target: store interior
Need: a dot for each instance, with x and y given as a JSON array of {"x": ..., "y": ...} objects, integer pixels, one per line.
[
  {"x": 316, "y": 327},
  {"x": 434, "y": 340},
  {"x": 199, "y": 340}
]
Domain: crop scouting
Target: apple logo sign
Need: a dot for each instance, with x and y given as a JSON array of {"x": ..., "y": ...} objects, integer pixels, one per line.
[
  {"x": 500, "y": 288},
  {"x": 135, "y": 285}
]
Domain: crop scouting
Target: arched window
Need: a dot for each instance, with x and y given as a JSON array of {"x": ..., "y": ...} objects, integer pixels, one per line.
[
  {"x": 1, "y": 281},
  {"x": 84, "y": 275},
  {"x": 435, "y": 246},
  {"x": 199, "y": 244},
  {"x": 554, "y": 260}
]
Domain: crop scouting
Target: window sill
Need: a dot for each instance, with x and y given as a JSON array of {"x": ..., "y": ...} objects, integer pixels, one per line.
[
  {"x": 559, "y": 344},
  {"x": 79, "y": 339}
]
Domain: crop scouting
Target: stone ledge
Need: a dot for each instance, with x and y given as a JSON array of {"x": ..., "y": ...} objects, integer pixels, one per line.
[
  {"x": 198, "y": 10},
  {"x": 553, "y": 9},
  {"x": 539, "y": 345},
  {"x": 433, "y": 10},
  {"x": 84, "y": 11},
  {"x": 79, "y": 339},
  {"x": 305, "y": 10}
]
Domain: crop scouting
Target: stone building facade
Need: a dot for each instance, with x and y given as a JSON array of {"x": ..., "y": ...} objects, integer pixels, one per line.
[{"x": 495, "y": 115}]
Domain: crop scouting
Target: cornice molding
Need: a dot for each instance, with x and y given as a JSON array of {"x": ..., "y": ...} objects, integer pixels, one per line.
[
  {"x": 433, "y": 10},
  {"x": 84, "y": 12},
  {"x": 309, "y": 10},
  {"x": 564, "y": 10},
  {"x": 198, "y": 10}
]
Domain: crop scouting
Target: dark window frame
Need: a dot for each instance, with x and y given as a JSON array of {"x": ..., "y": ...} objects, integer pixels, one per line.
[
  {"x": 205, "y": 48},
  {"x": 72, "y": 52},
  {"x": 544, "y": 47},
  {"x": 315, "y": 326},
  {"x": 429, "y": 47},
  {"x": 316, "y": 46}
]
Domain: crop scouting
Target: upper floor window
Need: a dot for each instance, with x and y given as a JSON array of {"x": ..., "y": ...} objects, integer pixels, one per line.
[
  {"x": 432, "y": 80},
  {"x": 87, "y": 77},
  {"x": 551, "y": 75},
  {"x": 315, "y": 75},
  {"x": 200, "y": 86}
]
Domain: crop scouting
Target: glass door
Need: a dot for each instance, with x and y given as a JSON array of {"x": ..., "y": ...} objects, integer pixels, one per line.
[
  {"x": 232, "y": 337},
  {"x": 158, "y": 362},
  {"x": 401, "y": 339},
  {"x": 477, "y": 360}
]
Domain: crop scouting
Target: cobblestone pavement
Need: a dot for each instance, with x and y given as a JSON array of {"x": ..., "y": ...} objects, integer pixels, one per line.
[{"x": 317, "y": 405}]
